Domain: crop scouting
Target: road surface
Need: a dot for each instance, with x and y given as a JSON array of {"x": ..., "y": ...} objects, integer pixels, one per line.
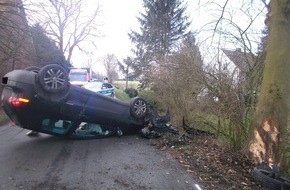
[{"x": 46, "y": 162}]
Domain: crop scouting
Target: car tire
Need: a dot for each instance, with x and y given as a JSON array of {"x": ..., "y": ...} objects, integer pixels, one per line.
[
  {"x": 34, "y": 69},
  {"x": 138, "y": 107},
  {"x": 53, "y": 78},
  {"x": 266, "y": 178}
]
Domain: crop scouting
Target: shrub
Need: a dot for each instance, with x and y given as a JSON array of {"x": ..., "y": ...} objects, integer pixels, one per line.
[
  {"x": 131, "y": 92},
  {"x": 120, "y": 94}
]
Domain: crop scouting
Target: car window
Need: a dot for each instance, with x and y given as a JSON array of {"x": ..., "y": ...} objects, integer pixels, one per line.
[
  {"x": 107, "y": 85},
  {"x": 83, "y": 130},
  {"x": 57, "y": 126},
  {"x": 91, "y": 130}
]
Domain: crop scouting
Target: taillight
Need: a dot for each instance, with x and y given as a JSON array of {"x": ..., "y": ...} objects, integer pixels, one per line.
[{"x": 18, "y": 102}]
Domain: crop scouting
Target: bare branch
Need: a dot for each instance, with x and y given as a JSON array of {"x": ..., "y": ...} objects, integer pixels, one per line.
[
  {"x": 67, "y": 22},
  {"x": 221, "y": 16}
]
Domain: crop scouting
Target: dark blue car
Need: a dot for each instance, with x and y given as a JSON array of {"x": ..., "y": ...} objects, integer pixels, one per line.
[{"x": 43, "y": 100}]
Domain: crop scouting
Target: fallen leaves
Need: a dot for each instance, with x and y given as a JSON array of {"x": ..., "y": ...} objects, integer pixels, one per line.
[{"x": 212, "y": 165}]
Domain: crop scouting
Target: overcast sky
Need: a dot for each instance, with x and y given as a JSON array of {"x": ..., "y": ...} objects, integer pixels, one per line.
[{"x": 119, "y": 17}]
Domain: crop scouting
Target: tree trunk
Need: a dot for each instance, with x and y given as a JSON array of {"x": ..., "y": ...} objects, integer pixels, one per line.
[{"x": 269, "y": 138}]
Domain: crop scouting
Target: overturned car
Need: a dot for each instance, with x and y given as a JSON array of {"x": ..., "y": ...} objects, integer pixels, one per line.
[{"x": 43, "y": 100}]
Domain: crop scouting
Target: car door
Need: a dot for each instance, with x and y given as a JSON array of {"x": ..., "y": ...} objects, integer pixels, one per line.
[
  {"x": 107, "y": 111},
  {"x": 107, "y": 89},
  {"x": 74, "y": 106}
]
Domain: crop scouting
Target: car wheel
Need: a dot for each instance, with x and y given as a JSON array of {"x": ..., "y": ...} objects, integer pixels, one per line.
[
  {"x": 138, "y": 107},
  {"x": 268, "y": 179},
  {"x": 53, "y": 78},
  {"x": 34, "y": 69}
]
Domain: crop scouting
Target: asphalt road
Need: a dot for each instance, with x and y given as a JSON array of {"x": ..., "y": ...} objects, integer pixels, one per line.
[{"x": 47, "y": 162}]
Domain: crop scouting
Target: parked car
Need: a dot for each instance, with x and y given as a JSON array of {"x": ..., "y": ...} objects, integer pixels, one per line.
[
  {"x": 103, "y": 88},
  {"x": 44, "y": 101}
]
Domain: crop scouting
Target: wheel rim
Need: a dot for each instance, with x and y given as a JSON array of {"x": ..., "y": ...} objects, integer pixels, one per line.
[
  {"x": 140, "y": 107},
  {"x": 54, "y": 78}
]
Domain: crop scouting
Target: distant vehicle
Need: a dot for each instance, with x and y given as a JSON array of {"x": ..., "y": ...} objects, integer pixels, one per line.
[
  {"x": 103, "y": 88},
  {"x": 79, "y": 76},
  {"x": 45, "y": 101}
]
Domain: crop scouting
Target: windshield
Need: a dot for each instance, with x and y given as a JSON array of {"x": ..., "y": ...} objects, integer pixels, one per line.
[
  {"x": 96, "y": 85},
  {"x": 78, "y": 77}
]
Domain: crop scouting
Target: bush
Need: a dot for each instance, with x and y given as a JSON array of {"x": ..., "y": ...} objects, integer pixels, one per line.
[
  {"x": 131, "y": 92},
  {"x": 120, "y": 94},
  {"x": 151, "y": 98}
]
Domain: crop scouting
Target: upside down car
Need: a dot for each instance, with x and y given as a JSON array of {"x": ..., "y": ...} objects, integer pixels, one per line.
[{"x": 43, "y": 100}]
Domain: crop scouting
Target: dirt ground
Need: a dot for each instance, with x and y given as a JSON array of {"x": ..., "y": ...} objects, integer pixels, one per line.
[{"x": 212, "y": 165}]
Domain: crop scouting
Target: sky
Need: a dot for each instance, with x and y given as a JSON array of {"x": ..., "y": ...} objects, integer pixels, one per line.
[{"x": 119, "y": 17}]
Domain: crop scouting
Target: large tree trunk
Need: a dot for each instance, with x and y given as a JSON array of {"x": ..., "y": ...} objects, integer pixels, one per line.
[{"x": 269, "y": 140}]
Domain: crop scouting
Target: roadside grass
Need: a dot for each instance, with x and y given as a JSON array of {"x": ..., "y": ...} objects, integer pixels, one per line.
[
  {"x": 227, "y": 131},
  {"x": 120, "y": 84},
  {"x": 150, "y": 97},
  {"x": 120, "y": 94}
]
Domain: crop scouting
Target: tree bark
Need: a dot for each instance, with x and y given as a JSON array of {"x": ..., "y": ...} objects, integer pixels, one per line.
[{"x": 269, "y": 138}]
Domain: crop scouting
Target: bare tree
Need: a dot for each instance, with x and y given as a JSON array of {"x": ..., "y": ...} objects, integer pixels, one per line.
[
  {"x": 178, "y": 86},
  {"x": 215, "y": 88},
  {"x": 68, "y": 22},
  {"x": 125, "y": 67},
  {"x": 110, "y": 62},
  {"x": 89, "y": 62}
]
